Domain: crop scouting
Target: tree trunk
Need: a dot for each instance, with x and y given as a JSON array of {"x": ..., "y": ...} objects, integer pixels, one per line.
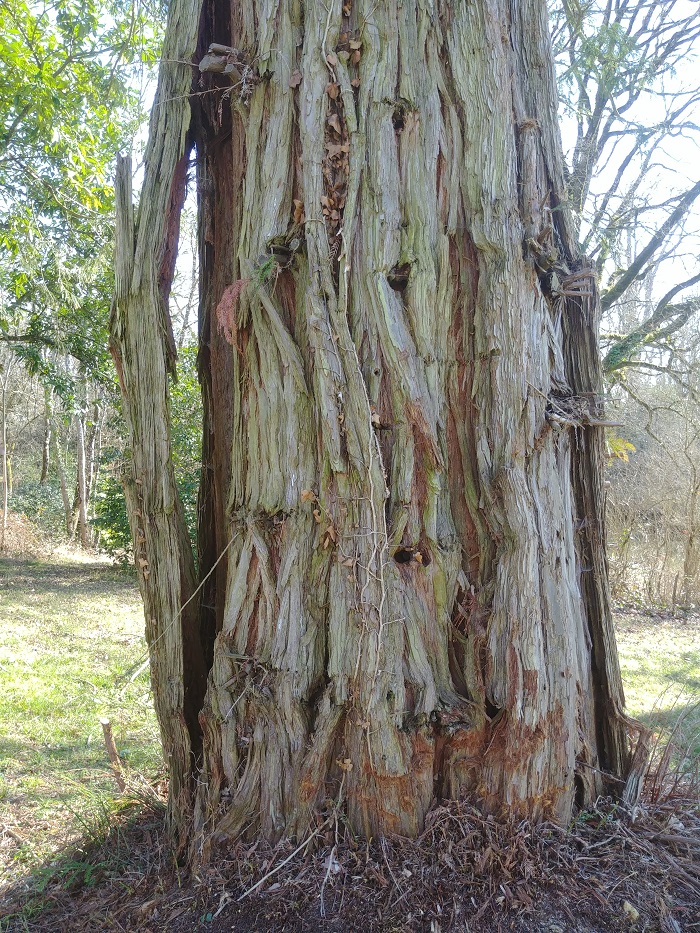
[
  {"x": 46, "y": 447},
  {"x": 143, "y": 351},
  {"x": 402, "y": 450},
  {"x": 88, "y": 431},
  {"x": 691, "y": 553},
  {"x": 92, "y": 467},
  {"x": 67, "y": 508},
  {"x": 79, "y": 512},
  {"x": 5, "y": 459}
]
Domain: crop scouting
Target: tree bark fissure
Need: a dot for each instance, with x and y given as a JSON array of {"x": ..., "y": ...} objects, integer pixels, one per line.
[{"x": 388, "y": 306}]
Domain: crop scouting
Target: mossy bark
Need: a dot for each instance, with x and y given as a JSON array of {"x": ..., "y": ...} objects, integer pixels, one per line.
[{"x": 393, "y": 319}]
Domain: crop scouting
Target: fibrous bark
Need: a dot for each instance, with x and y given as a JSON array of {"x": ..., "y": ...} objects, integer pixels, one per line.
[
  {"x": 401, "y": 462},
  {"x": 143, "y": 350}
]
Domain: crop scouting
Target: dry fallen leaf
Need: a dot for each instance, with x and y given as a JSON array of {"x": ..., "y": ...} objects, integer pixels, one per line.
[
  {"x": 295, "y": 78},
  {"x": 335, "y": 123},
  {"x": 332, "y": 90},
  {"x": 308, "y": 495},
  {"x": 335, "y": 150}
]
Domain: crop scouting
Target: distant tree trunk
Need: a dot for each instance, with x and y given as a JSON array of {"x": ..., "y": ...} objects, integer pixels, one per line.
[
  {"x": 46, "y": 447},
  {"x": 3, "y": 453},
  {"x": 93, "y": 453},
  {"x": 58, "y": 459},
  {"x": 691, "y": 555},
  {"x": 79, "y": 511},
  {"x": 402, "y": 450},
  {"x": 87, "y": 431}
]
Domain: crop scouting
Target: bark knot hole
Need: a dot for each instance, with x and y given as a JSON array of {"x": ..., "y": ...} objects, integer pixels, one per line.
[
  {"x": 398, "y": 277},
  {"x": 404, "y": 555}
]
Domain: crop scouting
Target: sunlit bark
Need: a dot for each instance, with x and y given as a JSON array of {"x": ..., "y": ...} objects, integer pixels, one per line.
[{"x": 401, "y": 450}]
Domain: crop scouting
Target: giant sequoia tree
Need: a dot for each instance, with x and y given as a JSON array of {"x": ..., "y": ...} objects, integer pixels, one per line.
[{"x": 401, "y": 588}]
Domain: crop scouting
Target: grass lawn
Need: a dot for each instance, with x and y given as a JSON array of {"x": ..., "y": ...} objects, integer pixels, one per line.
[
  {"x": 660, "y": 660},
  {"x": 71, "y": 639}
]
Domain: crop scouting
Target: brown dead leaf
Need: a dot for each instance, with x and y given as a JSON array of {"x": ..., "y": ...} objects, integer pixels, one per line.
[
  {"x": 334, "y": 122},
  {"x": 333, "y": 90},
  {"x": 317, "y": 516},
  {"x": 295, "y": 78},
  {"x": 332, "y": 59},
  {"x": 299, "y": 216},
  {"x": 337, "y": 149},
  {"x": 356, "y": 56},
  {"x": 345, "y": 764},
  {"x": 308, "y": 495},
  {"x": 355, "y": 44}
]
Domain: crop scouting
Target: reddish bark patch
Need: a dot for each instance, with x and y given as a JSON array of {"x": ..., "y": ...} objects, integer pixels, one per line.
[
  {"x": 458, "y": 758},
  {"x": 462, "y": 415},
  {"x": 531, "y": 680}
]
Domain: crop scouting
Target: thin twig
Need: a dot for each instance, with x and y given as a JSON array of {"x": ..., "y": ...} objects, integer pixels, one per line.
[{"x": 281, "y": 865}]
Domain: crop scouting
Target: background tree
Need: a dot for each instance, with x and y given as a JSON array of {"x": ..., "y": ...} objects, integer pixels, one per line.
[
  {"x": 71, "y": 98},
  {"x": 401, "y": 551},
  {"x": 655, "y": 540},
  {"x": 629, "y": 95}
]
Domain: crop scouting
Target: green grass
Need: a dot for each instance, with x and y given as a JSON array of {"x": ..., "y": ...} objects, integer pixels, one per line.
[
  {"x": 660, "y": 660},
  {"x": 71, "y": 637}
]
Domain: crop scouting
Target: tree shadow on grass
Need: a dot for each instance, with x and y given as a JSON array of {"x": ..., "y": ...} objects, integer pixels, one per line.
[
  {"x": 50, "y": 576},
  {"x": 677, "y": 722}
]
